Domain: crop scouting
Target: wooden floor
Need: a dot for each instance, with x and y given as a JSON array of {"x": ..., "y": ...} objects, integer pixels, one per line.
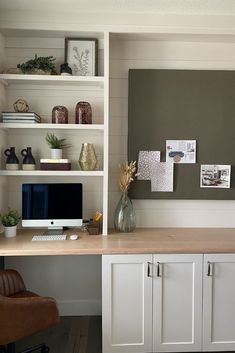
[{"x": 74, "y": 334}]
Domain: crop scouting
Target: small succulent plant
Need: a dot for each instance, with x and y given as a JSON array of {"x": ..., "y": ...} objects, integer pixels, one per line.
[
  {"x": 10, "y": 218},
  {"x": 55, "y": 143},
  {"x": 44, "y": 63}
]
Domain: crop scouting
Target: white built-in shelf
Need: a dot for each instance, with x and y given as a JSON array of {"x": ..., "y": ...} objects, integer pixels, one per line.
[
  {"x": 8, "y": 79},
  {"x": 67, "y": 173},
  {"x": 98, "y": 127}
]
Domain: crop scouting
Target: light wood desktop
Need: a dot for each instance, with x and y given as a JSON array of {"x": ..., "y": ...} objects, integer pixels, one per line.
[{"x": 143, "y": 240}]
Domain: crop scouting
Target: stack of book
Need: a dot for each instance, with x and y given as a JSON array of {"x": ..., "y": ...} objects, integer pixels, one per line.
[
  {"x": 55, "y": 164},
  {"x": 16, "y": 117}
]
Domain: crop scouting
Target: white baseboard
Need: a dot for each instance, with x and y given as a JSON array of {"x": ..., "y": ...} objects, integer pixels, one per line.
[{"x": 79, "y": 307}]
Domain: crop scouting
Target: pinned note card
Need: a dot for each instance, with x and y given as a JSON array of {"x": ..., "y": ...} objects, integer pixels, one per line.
[
  {"x": 162, "y": 177},
  {"x": 145, "y": 160}
]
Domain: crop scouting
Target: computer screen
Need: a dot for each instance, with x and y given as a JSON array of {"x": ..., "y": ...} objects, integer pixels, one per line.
[{"x": 52, "y": 205}]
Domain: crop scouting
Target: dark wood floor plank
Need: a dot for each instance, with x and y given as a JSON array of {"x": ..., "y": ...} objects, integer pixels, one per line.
[
  {"x": 94, "y": 342},
  {"x": 74, "y": 334}
]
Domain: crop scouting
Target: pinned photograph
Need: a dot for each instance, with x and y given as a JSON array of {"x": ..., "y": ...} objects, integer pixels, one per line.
[
  {"x": 181, "y": 151},
  {"x": 215, "y": 176}
]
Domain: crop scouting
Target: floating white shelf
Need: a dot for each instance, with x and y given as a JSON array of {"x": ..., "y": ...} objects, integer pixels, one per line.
[
  {"x": 8, "y": 79},
  {"x": 79, "y": 173},
  {"x": 99, "y": 127}
]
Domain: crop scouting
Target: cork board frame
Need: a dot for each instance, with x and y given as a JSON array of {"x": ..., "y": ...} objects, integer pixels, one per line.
[{"x": 183, "y": 105}]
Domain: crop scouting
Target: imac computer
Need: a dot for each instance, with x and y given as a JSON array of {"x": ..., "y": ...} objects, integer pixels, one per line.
[{"x": 52, "y": 205}]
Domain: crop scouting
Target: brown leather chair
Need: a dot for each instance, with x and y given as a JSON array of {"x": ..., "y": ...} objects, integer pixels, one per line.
[{"x": 22, "y": 313}]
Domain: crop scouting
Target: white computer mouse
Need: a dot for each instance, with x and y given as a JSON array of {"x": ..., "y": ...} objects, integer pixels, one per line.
[{"x": 73, "y": 236}]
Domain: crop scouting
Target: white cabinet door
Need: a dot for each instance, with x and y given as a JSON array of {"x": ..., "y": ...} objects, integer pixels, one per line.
[
  {"x": 219, "y": 302},
  {"x": 126, "y": 304},
  {"x": 177, "y": 303}
]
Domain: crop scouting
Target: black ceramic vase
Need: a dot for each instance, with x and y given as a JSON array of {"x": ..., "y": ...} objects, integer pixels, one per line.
[
  {"x": 28, "y": 160},
  {"x": 12, "y": 162}
]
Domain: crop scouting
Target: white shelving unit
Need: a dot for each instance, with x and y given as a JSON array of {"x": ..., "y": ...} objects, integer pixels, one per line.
[
  {"x": 43, "y": 92},
  {"x": 48, "y": 126},
  {"x": 71, "y": 173},
  {"x": 8, "y": 79}
]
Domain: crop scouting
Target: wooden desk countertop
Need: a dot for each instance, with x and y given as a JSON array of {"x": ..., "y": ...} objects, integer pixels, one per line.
[{"x": 143, "y": 240}]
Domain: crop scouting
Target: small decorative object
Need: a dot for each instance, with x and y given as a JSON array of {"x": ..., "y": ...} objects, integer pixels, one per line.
[
  {"x": 28, "y": 160},
  {"x": 10, "y": 221},
  {"x": 59, "y": 115},
  {"x": 87, "y": 159},
  {"x": 81, "y": 54},
  {"x": 40, "y": 65},
  {"x": 124, "y": 218},
  {"x": 12, "y": 162},
  {"x": 83, "y": 113},
  {"x": 56, "y": 145},
  {"x": 21, "y": 106},
  {"x": 65, "y": 69}
]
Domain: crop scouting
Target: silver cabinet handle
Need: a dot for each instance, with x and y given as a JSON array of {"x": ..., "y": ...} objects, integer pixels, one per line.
[
  {"x": 159, "y": 272},
  {"x": 148, "y": 269},
  {"x": 209, "y": 269}
]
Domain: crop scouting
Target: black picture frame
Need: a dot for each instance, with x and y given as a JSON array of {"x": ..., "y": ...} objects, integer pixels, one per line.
[{"x": 81, "y": 54}]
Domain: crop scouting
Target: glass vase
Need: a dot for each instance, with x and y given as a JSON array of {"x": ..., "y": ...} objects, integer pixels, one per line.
[{"x": 124, "y": 218}]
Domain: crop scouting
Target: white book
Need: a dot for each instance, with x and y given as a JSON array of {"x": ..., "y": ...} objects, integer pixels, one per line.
[
  {"x": 54, "y": 160},
  {"x": 21, "y": 118},
  {"x": 20, "y": 121},
  {"x": 12, "y": 115}
]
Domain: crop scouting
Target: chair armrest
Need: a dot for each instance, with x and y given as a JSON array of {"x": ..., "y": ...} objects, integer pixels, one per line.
[{"x": 22, "y": 317}]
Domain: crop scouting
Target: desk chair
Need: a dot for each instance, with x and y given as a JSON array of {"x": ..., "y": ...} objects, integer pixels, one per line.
[{"x": 22, "y": 313}]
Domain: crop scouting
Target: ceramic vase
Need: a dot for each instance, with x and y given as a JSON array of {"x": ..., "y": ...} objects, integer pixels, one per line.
[
  {"x": 87, "y": 159},
  {"x": 124, "y": 217},
  {"x": 83, "y": 113},
  {"x": 56, "y": 153},
  {"x": 59, "y": 115},
  {"x": 28, "y": 160},
  {"x": 10, "y": 232},
  {"x": 12, "y": 162}
]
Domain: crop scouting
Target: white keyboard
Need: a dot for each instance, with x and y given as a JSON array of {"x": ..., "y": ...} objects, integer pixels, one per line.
[{"x": 49, "y": 237}]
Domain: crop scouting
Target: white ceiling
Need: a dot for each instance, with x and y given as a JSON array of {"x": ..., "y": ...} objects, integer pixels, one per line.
[{"x": 202, "y": 7}]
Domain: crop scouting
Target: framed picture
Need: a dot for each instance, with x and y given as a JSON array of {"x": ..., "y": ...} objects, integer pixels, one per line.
[{"x": 81, "y": 55}]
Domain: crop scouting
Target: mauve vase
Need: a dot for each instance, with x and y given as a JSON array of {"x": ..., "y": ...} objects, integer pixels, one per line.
[
  {"x": 59, "y": 115},
  {"x": 83, "y": 113}
]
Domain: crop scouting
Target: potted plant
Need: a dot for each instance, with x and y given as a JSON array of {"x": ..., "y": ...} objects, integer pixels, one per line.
[
  {"x": 56, "y": 145},
  {"x": 10, "y": 220},
  {"x": 40, "y": 65}
]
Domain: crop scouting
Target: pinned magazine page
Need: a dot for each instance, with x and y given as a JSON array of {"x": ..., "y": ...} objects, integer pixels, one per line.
[
  {"x": 145, "y": 160},
  {"x": 181, "y": 151},
  {"x": 162, "y": 177}
]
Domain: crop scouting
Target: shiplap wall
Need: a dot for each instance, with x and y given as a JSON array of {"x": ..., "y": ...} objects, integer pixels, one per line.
[{"x": 162, "y": 54}]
